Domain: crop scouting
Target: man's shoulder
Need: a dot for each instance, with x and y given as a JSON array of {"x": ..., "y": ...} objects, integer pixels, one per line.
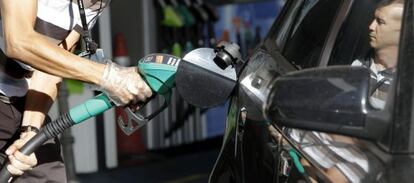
[
  {"x": 357, "y": 62},
  {"x": 362, "y": 62}
]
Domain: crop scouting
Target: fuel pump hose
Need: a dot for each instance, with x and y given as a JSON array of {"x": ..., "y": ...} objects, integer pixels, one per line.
[{"x": 76, "y": 115}]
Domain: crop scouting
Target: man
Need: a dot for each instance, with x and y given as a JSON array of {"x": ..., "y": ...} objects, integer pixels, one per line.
[
  {"x": 37, "y": 37},
  {"x": 340, "y": 156},
  {"x": 384, "y": 40}
]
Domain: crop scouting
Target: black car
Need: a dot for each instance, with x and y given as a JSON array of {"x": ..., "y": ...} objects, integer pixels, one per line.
[{"x": 301, "y": 112}]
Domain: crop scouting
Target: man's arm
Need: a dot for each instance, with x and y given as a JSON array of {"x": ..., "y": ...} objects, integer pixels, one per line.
[
  {"x": 22, "y": 42},
  {"x": 42, "y": 93}
]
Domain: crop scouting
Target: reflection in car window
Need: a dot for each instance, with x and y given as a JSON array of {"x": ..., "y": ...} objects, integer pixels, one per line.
[{"x": 307, "y": 37}]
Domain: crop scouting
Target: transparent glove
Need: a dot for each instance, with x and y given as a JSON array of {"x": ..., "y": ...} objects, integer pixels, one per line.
[{"x": 123, "y": 85}]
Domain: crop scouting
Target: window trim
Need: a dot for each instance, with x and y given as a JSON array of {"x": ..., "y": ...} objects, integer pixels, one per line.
[
  {"x": 286, "y": 23},
  {"x": 333, "y": 33}
]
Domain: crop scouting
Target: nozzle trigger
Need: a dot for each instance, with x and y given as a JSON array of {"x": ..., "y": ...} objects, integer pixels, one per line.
[{"x": 136, "y": 120}]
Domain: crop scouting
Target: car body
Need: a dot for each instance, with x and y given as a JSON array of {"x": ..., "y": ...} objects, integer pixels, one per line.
[{"x": 319, "y": 34}]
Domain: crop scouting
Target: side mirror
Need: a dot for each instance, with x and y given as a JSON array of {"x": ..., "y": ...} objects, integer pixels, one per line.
[{"x": 333, "y": 99}]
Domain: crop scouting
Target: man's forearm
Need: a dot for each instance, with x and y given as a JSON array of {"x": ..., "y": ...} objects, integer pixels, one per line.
[
  {"x": 40, "y": 98},
  {"x": 49, "y": 58},
  {"x": 43, "y": 89}
]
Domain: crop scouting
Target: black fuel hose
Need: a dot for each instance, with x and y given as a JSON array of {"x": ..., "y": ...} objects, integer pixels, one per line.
[{"x": 49, "y": 131}]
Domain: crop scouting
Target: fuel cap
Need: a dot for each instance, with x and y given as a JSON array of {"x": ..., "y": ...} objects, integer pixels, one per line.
[
  {"x": 227, "y": 54},
  {"x": 201, "y": 82}
]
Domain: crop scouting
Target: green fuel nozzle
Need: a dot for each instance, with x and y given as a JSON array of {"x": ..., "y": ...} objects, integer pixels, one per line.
[{"x": 158, "y": 70}]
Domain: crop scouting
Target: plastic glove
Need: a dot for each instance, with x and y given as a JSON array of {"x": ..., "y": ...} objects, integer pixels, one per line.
[
  {"x": 18, "y": 161},
  {"x": 124, "y": 85}
]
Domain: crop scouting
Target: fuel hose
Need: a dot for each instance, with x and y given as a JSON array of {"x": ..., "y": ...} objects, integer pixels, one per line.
[{"x": 76, "y": 115}]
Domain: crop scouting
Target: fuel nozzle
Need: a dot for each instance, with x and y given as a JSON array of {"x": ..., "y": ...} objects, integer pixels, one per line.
[{"x": 227, "y": 54}]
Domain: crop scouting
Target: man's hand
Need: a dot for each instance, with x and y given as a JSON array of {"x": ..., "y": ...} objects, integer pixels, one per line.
[
  {"x": 124, "y": 85},
  {"x": 18, "y": 161}
]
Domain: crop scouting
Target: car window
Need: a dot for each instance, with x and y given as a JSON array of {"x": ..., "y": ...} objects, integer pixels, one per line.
[
  {"x": 369, "y": 37},
  {"x": 353, "y": 40},
  {"x": 309, "y": 32}
]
